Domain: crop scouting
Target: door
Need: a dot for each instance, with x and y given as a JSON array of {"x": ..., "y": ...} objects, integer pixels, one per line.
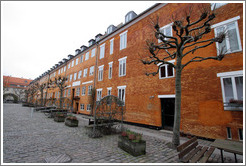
[{"x": 167, "y": 112}]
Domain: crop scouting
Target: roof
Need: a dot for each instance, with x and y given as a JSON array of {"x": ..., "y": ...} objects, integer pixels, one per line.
[{"x": 16, "y": 80}]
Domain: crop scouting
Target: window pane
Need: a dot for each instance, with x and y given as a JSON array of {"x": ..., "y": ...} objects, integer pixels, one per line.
[
  {"x": 228, "y": 89},
  {"x": 123, "y": 94},
  {"x": 232, "y": 34},
  {"x": 170, "y": 71},
  {"x": 228, "y": 129},
  {"x": 239, "y": 86},
  {"x": 222, "y": 46},
  {"x": 163, "y": 71},
  {"x": 240, "y": 131}
]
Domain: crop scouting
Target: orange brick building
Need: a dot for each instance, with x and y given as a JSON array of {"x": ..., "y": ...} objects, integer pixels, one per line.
[{"x": 111, "y": 64}]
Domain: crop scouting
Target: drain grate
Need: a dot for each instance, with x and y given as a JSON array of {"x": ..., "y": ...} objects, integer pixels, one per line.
[{"x": 62, "y": 158}]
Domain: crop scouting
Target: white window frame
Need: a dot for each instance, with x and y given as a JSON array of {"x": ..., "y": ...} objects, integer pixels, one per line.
[
  {"x": 224, "y": 24},
  {"x": 164, "y": 29},
  {"x": 99, "y": 94},
  {"x": 217, "y": 5},
  {"x": 68, "y": 66},
  {"x": 102, "y": 51},
  {"x": 85, "y": 72},
  {"x": 230, "y": 133},
  {"x": 89, "y": 89},
  {"x": 81, "y": 58},
  {"x": 166, "y": 70},
  {"x": 111, "y": 46},
  {"x": 77, "y": 91},
  {"x": 72, "y": 63},
  {"x": 83, "y": 90},
  {"x": 123, "y": 98},
  {"x": 71, "y": 77},
  {"x": 77, "y": 61},
  {"x": 87, "y": 55},
  {"x": 88, "y": 107},
  {"x": 109, "y": 89},
  {"x": 80, "y": 74},
  {"x": 110, "y": 66},
  {"x": 93, "y": 52},
  {"x": 231, "y": 75},
  {"x": 123, "y": 40},
  {"x": 59, "y": 71},
  {"x": 64, "y": 68},
  {"x": 100, "y": 73},
  {"x": 82, "y": 107},
  {"x": 75, "y": 76},
  {"x": 122, "y": 62},
  {"x": 91, "y": 70}
]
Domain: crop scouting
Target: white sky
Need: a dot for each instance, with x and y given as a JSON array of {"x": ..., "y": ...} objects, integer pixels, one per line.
[{"x": 35, "y": 35}]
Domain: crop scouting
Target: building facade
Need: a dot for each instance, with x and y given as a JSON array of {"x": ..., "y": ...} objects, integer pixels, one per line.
[
  {"x": 14, "y": 86},
  {"x": 111, "y": 64}
]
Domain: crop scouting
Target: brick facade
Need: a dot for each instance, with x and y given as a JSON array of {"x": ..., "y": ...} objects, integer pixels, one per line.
[{"x": 202, "y": 110}]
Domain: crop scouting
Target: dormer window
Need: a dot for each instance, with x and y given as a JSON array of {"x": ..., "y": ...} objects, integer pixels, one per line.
[
  {"x": 110, "y": 29},
  {"x": 98, "y": 37},
  {"x": 91, "y": 42},
  {"x": 129, "y": 16},
  {"x": 77, "y": 51}
]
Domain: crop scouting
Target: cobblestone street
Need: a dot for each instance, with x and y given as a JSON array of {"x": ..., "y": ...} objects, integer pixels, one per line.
[{"x": 30, "y": 138}]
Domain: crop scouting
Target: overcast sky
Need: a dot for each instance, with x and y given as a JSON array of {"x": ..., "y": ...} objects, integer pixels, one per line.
[{"x": 37, "y": 35}]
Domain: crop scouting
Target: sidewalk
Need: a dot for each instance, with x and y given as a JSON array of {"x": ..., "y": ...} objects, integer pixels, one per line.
[{"x": 33, "y": 138}]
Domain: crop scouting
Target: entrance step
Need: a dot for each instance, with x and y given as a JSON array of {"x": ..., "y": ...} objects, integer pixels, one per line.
[
  {"x": 167, "y": 131},
  {"x": 62, "y": 158}
]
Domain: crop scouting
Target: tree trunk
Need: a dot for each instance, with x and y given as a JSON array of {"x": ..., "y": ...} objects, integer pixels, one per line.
[
  {"x": 177, "y": 114},
  {"x": 42, "y": 94},
  {"x": 61, "y": 92}
]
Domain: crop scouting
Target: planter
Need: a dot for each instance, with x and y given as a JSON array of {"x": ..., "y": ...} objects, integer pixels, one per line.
[
  {"x": 133, "y": 148},
  {"x": 59, "y": 118},
  {"x": 71, "y": 122}
]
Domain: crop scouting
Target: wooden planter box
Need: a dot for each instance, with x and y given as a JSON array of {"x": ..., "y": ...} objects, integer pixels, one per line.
[
  {"x": 133, "y": 148},
  {"x": 59, "y": 118},
  {"x": 71, "y": 123}
]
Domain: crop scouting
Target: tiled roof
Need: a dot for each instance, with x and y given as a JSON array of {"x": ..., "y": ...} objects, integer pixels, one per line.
[{"x": 16, "y": 80}]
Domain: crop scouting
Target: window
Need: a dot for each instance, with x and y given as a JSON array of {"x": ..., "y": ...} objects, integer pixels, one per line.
[
  {"x": 122, "y": 66},
  {"x": 102, "y": 51},
  {"x": 77, "y": 91},
  {"x": 68, "y": 66},
  {"x": 91, "y": 71},
  {"x": 99, "y": 94},
  {"x": 228, "y": 130},
  {"x": 77, "y": 61},
  {"x": 83, "y": 90},
  {"x": 81, "y": 58},
  {"x": 166, "y": 30},
  {"x": 166, "y": 71},
  {"x": 87, "y": 56},
  {"x": 64, "y": 68},
  {"x": 110, "y": 70},
  {"x": 72, "y": 63},
  {"x": 67, "y": 78},
  {"x": 240, "y": 134},
  {"x": 88, "y": 107},
  {"x": 100, "y": 73},
  {"x": 232, "y": 89},
  {"x": 82, "y": 107},
  {"x": 80, "y": 73},
  {"x": 217, "y": 5},
  {"x": 68, "y": 92},
  {"x": 71, "y": 77},
  {"x": 121, "y": 92},
  {"x": 59, "y": 71},
  {"x": 111, "y": 46},
  {"x": 75, "y": 76},
  {"x": 65, "y": 91},
  {"x": 123, "y": 40},
  {"x": 93, "y": 52},
  {"x": 109, "y": 90},
  {"x": 85, "y": 72},
  {"x": 232, "y": 42},
  {"x": 89, "y": 89}
]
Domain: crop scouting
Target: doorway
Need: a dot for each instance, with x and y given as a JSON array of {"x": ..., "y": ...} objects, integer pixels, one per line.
[{"x": 167, "y": 113}]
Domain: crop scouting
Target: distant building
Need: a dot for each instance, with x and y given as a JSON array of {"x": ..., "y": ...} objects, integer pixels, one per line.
[{"x": 14, "y": 86}]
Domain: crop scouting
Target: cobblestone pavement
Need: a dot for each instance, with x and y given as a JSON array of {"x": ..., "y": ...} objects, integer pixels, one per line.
[{"x": 30, "y": 138}]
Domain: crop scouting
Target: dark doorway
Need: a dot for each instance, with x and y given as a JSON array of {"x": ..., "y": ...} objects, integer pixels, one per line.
[
  {"x": 77, "y": 107},
  {"x": 167, "y": 112}
]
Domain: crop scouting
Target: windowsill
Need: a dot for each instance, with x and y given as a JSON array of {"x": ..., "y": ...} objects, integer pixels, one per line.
[
  {"x": 122, "y": 75},
  {"x": 166, "y": 77},
  {"x": 233, "y": 108}
]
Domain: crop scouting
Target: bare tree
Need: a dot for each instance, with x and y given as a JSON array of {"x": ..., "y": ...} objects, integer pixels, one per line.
[
  {"x": 41, "y": 89},
  {"x": 33, "y": 91},
  {"x": 186, "y": 41},
  {"x": 92, "y": 99},
  {"x": 19, "y": 92},
  {"x": 60, "y": 83}
]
